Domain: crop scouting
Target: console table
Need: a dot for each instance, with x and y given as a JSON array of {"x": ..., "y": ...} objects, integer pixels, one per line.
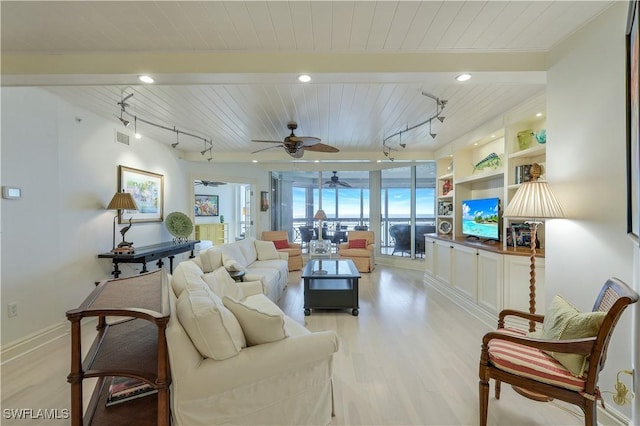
[{"x": 150, "y": 253}]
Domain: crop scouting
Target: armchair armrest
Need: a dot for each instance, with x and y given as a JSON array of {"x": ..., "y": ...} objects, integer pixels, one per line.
[
  {"x": 574, "y": 346},
  {"x": 521, "y": 314},
  {"x": 295, "y": 245}
]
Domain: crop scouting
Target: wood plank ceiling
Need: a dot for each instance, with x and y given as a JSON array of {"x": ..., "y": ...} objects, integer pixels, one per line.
[{"x": 227, "y": 70}]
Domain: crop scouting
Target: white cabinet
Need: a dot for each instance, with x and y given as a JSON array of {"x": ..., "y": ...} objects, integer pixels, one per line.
[
  {"x": 517, "y": 275},
  {"x": 465, "y": 274},
  {"x": 442, "y": 262},
  {"x": 490, "y": 282},
  {"x": 429, "y": 255},
  {"x": 483, "y": 281}
]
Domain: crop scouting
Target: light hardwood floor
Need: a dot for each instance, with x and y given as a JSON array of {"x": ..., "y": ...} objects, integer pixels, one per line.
[{"x": 409, "y": 358}]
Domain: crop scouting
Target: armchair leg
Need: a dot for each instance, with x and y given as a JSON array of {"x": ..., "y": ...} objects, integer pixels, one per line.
[
  {"x": 498, "y": 387},
  {"x": 484, "y": 401},
  {"x": 590, "y": 414}
]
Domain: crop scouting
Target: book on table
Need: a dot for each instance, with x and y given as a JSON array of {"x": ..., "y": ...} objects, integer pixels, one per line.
[{"x": 127, "y": 388}]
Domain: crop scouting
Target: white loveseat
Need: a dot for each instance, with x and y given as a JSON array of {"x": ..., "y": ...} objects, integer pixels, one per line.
[
  {"x": 258, "y": 259},
  {"x": 246, "y": 364}
]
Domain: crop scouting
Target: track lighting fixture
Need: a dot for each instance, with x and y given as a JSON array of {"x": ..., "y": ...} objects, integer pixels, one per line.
[
  {"x": 440, "y": 104},
  {"x": 208, "y": 144}
]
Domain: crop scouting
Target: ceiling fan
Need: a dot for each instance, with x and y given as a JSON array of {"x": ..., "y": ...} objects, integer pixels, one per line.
[
  {"x": 296, "y": 145},
  {"x": 335, "y": 181},
  {"x": 208, "y": 183}
]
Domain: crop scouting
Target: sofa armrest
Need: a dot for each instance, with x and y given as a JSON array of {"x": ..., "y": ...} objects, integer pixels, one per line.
[
  {"x": 283, "y": 255},
  {"x": 250, "y": 288},
  {"x": 260, "y": 362}
]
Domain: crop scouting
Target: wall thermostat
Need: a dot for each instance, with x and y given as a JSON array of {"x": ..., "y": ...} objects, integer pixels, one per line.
[{"x": 11, "y": 193}]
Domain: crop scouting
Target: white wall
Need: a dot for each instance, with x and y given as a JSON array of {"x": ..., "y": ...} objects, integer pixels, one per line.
[
  {"x": 586, "y": 168},
  {"x": 66, "y": 161}
]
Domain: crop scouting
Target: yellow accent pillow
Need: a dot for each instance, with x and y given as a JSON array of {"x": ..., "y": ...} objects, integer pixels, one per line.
[{"x": 563, "y": 321}]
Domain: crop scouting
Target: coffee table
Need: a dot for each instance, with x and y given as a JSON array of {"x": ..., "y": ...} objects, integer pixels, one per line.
[{"x": 330, "y": 284}]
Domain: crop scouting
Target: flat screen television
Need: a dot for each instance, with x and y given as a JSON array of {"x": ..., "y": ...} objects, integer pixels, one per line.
[{"x": 481, "y": 218}]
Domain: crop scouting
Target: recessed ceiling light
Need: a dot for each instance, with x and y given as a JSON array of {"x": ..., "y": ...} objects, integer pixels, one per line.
[
  {"x": 146, "y": 79},
  {"x": 254, "y": 161},
  {"x": 305, "y": 78},
  {"x": 539, "y": 114},
  {"x": 463, "y": 77},
  {"x": 316, "y": 161},
  {"x": 138, "y": 136}
]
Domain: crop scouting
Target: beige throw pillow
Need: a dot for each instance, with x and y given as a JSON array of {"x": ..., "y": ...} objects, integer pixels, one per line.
[
  {"x": 212, "y": 328},
  {"x": 221, "y": 283},
  {"x": 266, "y": 250},
  {"x": 260, "y": 323},
  {"x": 563, "y": 321}
]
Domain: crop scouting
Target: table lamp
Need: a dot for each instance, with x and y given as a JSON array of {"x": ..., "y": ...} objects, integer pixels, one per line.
[
  {"x": 533, "y": 201},
  {"x": 121, "y": 201},
  {"x": 320, "y": 216}
]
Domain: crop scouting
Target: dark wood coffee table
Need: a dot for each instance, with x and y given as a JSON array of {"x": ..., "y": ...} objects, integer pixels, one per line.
[{"x": 330, "y": 284}]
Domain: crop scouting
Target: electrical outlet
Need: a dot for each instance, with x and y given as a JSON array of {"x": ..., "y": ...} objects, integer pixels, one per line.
[{"x": 12, "y": 309}]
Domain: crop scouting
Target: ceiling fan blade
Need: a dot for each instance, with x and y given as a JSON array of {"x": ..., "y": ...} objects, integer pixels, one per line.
[
  {"x": 255, "y": 140},
  {"x": 345, "y": 184},
  {"x": 308, "y": 140},
  {"x": 264, "y": 149},
  {"x": 321, "y": 147}
]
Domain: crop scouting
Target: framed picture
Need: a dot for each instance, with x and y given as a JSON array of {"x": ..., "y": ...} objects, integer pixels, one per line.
[
  {"x": 206, "y": 205},
  {"x": 445, "y": 208},
  {"x": 633, "y": 120},
  {"x": 147, "y": 189},
  {"x": 264, "y": 201},
  {"x": 521, "y": 236}
]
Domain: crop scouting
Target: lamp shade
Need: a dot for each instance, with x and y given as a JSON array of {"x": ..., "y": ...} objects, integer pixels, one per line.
[
  {"x": 320, "y": 215},
  {"x": 534, "y": 200},
  {"x": 122, "y": 201}
]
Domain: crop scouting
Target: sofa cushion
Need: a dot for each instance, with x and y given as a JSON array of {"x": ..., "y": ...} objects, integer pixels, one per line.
[
  {"x": 210, "y": 259},
  {"x": 261, "y": 320},
  {"x": 221, "y": 283},
  {"x": 357, "y": 244},
  {"x": 266, "y": 250},
  {"x": 248, "y": 249},
  {"x": 351, "y": 252},
  {"x": 232, "y": 257},
  {"x": 187, "y": 275},
  {"x": 281, "y": 244},
  {"x": 563, "y": 321},
  {"x": 213, "y": 329}
]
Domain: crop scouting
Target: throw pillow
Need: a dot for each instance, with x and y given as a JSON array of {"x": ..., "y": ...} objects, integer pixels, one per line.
[
  {"x": 232, "y": 256},
  {"x": 563, "y": 321},
  {"x": 266, "y": 250},
  {"x": 231, "y": 264},
  {"x": 281, "y": 244},
  {"x": 260, "y": 323},
  {"x": 359, "y": 244},
  {"x": 186, "y": 275},
  {"x": 212, "y": 328},
  {"x": 221, "y": 283}
]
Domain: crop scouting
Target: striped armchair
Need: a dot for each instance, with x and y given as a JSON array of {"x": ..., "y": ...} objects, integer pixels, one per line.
[{"x": 523, "y": 359}]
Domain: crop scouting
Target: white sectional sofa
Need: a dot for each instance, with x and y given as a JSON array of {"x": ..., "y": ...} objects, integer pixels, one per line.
[
  {"x": 258, "y": 259},
  {"x": 236, "y": 358}
]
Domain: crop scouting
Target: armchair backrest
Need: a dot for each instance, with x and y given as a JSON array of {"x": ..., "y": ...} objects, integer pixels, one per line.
[
  {"x": 613, "y": 299},
  {"x": 362, "y": 235},
  {"x": 275, "y": 235}
]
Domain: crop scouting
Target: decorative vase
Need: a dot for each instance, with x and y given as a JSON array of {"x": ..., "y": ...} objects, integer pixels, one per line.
[
  {"x": 541, "y": 136},
  {"x": 524, "y": 139}
]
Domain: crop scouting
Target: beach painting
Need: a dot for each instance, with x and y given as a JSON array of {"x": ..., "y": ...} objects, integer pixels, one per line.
[{"x": 480, "y": 218}]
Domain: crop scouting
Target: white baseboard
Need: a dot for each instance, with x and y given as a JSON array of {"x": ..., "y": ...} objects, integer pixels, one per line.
[
  {"x": 611, "y": 417},
  {"x": 33, "y": 341}
]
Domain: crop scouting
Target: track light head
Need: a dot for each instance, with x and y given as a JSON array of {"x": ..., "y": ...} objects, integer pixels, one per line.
[
  {"x": 403, "y": 145},
  {"x": 441, "y": 118},
  {"x": 175, "y": 144},
  {"x": 433, "y": 135}
]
